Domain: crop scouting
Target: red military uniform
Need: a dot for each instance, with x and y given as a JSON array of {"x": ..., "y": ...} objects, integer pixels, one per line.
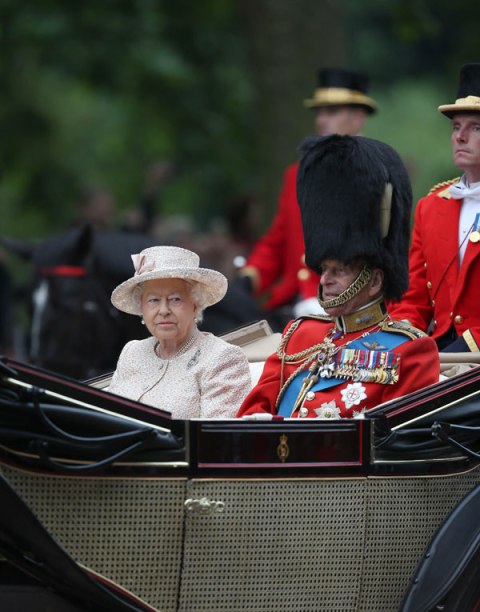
[
  {"x": 276, "y": 264},
  {"x": 441, "y": 293},
  {"x": 368, "y": 376}
]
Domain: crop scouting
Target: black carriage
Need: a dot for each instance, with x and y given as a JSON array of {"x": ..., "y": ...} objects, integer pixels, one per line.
[{"x": 373, "y": 514}]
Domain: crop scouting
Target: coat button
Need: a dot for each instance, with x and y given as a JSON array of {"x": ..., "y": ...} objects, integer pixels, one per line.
[
  {"x": 429, "y": 284},
  {"x": 433, "y": 302},
  {"x": 458, "y": 319},
  {"x": 310, "y": 396},
  {"x": 303, "y": 274},
  {"x": 303, "y": 412}
]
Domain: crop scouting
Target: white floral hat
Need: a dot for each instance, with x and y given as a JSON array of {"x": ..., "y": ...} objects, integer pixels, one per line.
[{"x": 168, "y": 262}]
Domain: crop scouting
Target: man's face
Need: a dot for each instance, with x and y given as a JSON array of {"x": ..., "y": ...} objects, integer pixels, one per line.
[
  {"x": 336, "y": 276},
  {"x": 466, "y": 144},
  {"x": 343, "y": 120}
]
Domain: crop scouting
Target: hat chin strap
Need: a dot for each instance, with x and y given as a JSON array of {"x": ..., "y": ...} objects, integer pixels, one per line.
[{"x": 351, "y": 291}]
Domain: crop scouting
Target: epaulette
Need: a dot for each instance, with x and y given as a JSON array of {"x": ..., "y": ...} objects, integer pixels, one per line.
[
  {"x": 402, "y": 327},
  {"x": 445, "y": 193}
]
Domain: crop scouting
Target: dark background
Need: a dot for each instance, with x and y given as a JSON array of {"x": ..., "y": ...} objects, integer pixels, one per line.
[{"x": 93, "y": 93}]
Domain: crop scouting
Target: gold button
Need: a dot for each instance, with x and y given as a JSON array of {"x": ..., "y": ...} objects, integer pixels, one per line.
[
  {"x": 451, "y": 315},
  {"x": 433, "y": 302},
  {"x": 303, "y": 412},
  {"x": 303, "y": 274},
  {"x": 429, "y": 285},
  {"x": 458, "y": 319},
  {"x": 424, "y": 264},
  {"x": 310, "y": 395}
]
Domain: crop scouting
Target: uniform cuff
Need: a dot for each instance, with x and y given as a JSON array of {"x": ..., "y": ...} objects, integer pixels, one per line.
[
  {"x": 470, "y": 340},
  {"x": 253, "y": 274}
]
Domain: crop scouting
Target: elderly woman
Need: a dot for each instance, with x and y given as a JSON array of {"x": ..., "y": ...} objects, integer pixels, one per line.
[{"x": 179, "y": 369}]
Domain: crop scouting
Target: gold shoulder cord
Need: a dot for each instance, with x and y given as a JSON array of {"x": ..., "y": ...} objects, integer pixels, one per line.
[
  {"x": 444, "y": 184},
  {"x": 303, "y": 358},
  {"x": 294, "y": 357},
  {"x": 306, "y": 363}
]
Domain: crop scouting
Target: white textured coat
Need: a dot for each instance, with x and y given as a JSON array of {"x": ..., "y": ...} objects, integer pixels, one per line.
[{"x": 209, "y": 380}]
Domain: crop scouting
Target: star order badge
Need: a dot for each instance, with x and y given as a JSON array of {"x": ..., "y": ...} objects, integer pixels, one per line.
[
  {"x": 353, "y": 394},
  {"x": 328, "y": 410}
]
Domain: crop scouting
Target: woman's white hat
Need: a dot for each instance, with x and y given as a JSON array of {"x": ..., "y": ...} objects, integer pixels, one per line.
[{"x": 168, "y": 262}]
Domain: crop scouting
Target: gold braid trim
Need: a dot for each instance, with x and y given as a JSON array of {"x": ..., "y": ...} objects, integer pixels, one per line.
[
  {"x": 303, "y": 366},
  {"x": 444, "y": 184},
  {"x": 351, "y": 291},
  {"x": 294, "y": 357},
  {"x": 304, "y": 358}
]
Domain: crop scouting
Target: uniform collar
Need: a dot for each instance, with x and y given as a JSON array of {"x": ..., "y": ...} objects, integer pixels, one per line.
[{"x": 366, "y": 316}]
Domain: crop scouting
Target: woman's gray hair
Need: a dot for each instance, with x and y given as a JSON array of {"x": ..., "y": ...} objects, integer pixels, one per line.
[
  {"x": 196, "y": 293},
  {"x": 198, "y": 298}
]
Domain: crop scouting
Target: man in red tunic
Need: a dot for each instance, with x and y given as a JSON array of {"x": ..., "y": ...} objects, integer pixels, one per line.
[
  {"x": 444, "y": 295},
  {"x": 277, "y": 265},
  {"x": 357, "y": 357}
]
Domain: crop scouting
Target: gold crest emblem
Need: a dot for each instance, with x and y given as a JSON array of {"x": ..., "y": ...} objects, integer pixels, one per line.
[{"x": 282, "y": 449}]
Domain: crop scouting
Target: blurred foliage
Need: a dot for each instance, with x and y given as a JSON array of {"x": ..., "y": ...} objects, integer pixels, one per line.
[
  {"x": 407, "y": 120},
  {"x": 94, "y": 92},
  {"x": 426, "y": 39},
  {"x": 413, "y": 50}
]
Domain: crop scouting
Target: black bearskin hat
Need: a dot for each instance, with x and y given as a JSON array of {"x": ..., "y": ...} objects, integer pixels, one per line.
[{"x": 343, "y": 183}]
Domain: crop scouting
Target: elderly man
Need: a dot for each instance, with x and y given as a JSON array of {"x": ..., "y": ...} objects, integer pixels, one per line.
[
  {"x": 444, "y": 267},
  {"x": 276, "y": 265},
  {"x": 341, "y": 365}
]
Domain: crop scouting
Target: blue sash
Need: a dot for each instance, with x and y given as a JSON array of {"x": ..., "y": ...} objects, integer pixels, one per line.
[{"x": 387, "y": 341}]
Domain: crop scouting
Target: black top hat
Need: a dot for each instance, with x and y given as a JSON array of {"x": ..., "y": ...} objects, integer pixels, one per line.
[
  {"x": 338, "y": 87},
  {"x": 355, "y": 199},
  {"x": 468, "y": 95}
]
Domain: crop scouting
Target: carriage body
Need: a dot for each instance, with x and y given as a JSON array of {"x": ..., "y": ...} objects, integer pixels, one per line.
[{"x": 251, "y": 515}]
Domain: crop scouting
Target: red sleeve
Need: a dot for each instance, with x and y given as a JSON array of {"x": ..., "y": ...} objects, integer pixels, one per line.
[
  {"x": 472, "y": 338},
  {"x": 415, "y": 305},
  {"x": 419, "y": 367},
  {"x": 263, "y": 396},
  {"x": 267, "y": 257}
]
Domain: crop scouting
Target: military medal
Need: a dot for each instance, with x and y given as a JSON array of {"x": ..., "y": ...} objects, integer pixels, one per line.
[{"x": 475, "y": 233}]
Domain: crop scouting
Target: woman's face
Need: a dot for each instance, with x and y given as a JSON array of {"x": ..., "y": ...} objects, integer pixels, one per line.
[{"x": 168, "y": 310}]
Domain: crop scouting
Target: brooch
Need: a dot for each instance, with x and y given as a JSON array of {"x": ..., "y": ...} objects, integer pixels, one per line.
[{"x": 194, "y": 360}]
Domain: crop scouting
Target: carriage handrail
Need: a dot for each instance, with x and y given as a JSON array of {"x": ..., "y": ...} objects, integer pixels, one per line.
[{"x": 442, "y": 431}]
